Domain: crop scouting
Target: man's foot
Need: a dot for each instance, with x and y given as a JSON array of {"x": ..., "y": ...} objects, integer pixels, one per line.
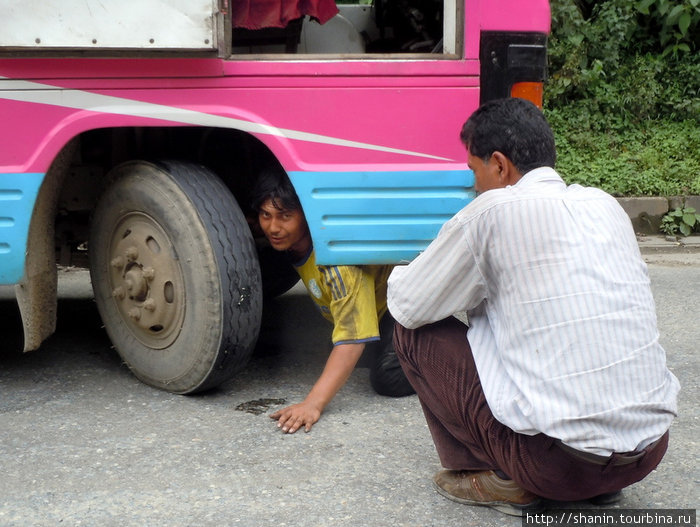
[{"x": 487, "y": 489}]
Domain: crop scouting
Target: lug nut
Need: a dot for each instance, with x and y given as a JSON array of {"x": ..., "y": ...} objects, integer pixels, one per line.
[
  {"x": 117, "y": 262},
  {"x": 149, "y": 273},
  {"x": 132, "y": 253},
  {"x": 149, "y": 304},
  {"x": 135, "y": 313},
  {"x": 118, "y": 293}
]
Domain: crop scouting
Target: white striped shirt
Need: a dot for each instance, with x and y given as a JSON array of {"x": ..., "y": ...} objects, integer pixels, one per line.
[{"x": 562, "y": 319}]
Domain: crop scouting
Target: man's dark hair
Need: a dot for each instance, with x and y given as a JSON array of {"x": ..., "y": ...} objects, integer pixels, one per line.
[
  {"x": 516, "y": 128},
  {"x": 273, "y": 184}
]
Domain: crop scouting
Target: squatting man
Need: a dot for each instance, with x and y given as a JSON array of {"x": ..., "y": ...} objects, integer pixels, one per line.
[{"x": 559, "y": 387}]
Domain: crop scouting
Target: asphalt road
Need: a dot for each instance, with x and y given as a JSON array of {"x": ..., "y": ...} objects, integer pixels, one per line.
[{"x": 82, "y": 442}]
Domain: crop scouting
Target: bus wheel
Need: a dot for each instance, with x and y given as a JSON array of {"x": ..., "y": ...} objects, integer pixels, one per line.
[{"x": 175, "y": 275}]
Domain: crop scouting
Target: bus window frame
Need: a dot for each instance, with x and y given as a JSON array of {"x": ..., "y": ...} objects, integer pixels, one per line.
[{"x": 453, "y": 27}]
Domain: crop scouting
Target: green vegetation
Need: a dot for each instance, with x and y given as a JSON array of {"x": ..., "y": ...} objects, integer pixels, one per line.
[
  {"x": 684, "y": 220},
  {"x": 623, "y": 94}
]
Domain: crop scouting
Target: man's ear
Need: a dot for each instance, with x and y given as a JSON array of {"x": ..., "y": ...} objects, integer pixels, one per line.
[{"x": 507, "y": 173}]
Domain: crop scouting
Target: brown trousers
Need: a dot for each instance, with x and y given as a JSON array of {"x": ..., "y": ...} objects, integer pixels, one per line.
[{"x": 439, "y": 364}]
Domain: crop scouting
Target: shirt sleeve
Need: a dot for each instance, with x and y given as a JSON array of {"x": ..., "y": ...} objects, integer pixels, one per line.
[
  {"x": 442, "y": 281},
  {"x": 353, "y": 307}
]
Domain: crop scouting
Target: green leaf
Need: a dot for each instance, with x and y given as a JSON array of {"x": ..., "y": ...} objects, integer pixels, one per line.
[
  {"x": 576, "y": 39},
  {"x": 668, "y": 225},
  {"x": 674, "y": 14},
  {"x": 685, "y": 230},
  {"x": 689, "y": 219},
  {"x": 690, "y": 210},
  {"x": 644, "y": 5},
  {"x": 684, "y": 23}
]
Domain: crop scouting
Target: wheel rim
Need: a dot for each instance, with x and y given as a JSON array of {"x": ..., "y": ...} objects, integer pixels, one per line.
[{"x": 146, "y": 280}]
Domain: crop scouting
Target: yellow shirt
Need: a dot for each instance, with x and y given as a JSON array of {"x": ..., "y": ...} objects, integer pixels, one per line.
[{"x": 352, "y": 297}]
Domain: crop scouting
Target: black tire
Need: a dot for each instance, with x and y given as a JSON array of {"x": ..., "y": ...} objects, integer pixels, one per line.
[
  {"x": 386, "y": 374},
  {"x": 278, "y": 274},
  {"x": 175, "y": 275}
]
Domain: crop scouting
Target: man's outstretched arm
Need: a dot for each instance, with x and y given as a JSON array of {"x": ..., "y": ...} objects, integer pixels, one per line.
[{"x": 338, "y": 369}]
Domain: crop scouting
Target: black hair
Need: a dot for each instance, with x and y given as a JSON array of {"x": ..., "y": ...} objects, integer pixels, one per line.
[
  {"x": 273, "y": 184},
  {"x": 516, "y": 128}
]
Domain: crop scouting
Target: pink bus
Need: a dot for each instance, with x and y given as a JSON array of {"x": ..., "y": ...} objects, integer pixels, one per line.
[{"x": 133, "y": 131}]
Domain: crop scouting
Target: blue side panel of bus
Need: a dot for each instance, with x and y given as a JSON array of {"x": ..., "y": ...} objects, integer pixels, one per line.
[
  {"x": 379, "y": 217},
  {"x": 18, "y": 194}
]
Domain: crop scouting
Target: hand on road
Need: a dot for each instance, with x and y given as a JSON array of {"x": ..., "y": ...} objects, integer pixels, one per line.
[{"x": 293, "y": 417}]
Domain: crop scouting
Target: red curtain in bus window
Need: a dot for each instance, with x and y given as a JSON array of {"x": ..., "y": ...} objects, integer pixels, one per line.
[{"x": 258, "y": 14}]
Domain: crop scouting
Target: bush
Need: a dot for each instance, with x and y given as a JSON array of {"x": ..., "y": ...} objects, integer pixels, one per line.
[
  {"x": 674, "y": 23},
  {"x": 660, "y": 160},
  {"x": 680, "y": 220},
  {"x": 623, "y": 94}
]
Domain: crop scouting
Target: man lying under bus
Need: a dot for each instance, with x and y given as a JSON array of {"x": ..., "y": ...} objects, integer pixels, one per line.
[{"x": 352, "y": 297}]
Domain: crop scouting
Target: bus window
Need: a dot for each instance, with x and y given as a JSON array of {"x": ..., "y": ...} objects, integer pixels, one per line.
[{"x": 385, "y": 28}]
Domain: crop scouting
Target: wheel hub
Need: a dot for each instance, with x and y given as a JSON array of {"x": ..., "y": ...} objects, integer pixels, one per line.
[{"x": 146, "y": 280}]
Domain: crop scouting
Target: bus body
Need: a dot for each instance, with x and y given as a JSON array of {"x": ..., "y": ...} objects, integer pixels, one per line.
[{"x": 128, "y": 136}]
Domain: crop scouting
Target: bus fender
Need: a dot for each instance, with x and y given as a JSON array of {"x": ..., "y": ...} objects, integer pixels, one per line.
[{"x": 36, "y": 293}]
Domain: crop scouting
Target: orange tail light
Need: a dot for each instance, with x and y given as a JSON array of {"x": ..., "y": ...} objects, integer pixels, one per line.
[{"x": 532, "y": 91}]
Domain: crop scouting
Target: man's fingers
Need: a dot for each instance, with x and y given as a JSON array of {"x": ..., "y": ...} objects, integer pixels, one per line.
[
  {"x": 293, "y": 418},
  {"x": 283, "y": 420},
  {"x": 293, "y": 424}
]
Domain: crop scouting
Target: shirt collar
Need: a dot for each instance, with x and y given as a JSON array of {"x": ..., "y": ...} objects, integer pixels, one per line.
[
  {"x": 303, "y": 260},
  {"x": 540, "y": 175}
]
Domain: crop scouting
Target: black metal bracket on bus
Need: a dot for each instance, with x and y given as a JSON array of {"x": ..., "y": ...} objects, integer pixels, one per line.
[{"x": 508, "y": 58}]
